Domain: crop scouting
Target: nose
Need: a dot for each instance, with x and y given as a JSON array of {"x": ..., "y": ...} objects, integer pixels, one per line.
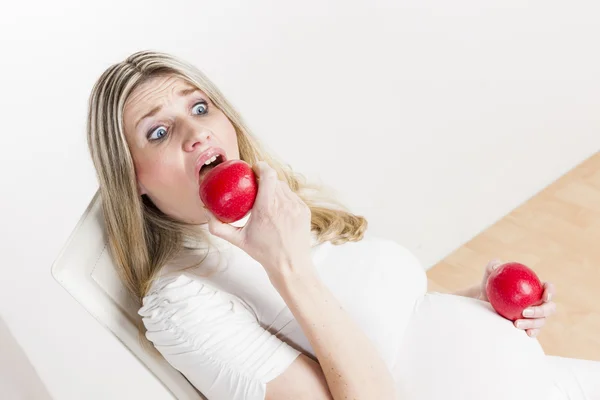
[{"x": 197, "y": 136}]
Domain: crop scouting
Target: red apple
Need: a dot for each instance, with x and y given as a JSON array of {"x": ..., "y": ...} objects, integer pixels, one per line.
[
  {"x": 513, "y": 287},
  {"x": 229, "y": 190}
]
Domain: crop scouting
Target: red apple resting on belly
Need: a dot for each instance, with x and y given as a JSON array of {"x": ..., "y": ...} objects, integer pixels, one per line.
[
  {"x": 229, "y": 190},
  {"x": 513, "y": 287}
]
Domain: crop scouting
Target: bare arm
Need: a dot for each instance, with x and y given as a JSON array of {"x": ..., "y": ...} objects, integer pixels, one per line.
[
  {"x": 277, "y": 235},
  {"x": 350, "y": 363}
]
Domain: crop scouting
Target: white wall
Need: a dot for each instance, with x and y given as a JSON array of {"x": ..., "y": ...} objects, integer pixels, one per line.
[{"x": 431, "y": 118}]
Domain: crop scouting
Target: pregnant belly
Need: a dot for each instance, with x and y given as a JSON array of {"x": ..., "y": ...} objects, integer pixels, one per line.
[{"x": 459, "y": 348}]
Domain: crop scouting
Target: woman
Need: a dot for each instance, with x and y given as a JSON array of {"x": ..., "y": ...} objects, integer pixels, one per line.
[{"x": 295, "y": 301}]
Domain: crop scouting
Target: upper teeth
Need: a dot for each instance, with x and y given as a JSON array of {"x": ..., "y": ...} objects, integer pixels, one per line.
[{"x": 209, "y": 161}]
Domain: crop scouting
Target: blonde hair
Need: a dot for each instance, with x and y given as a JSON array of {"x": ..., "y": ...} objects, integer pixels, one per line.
[{"x": 141, "y": 238}]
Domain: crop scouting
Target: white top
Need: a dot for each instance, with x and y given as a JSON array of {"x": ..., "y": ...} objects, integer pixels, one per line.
[{"x": 231, "y": 333}]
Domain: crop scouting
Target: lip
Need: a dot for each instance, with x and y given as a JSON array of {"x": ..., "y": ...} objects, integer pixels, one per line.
[{"x": 207, "y": 155}]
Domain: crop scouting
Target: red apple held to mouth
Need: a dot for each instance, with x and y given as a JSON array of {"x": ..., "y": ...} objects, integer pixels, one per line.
[
  {"x": 229, "y": 190},
  {"x": 513, "y": 287}
]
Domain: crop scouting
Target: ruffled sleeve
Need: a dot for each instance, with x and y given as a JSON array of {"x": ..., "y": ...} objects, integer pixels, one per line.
[{"x": 213, "y": 339}]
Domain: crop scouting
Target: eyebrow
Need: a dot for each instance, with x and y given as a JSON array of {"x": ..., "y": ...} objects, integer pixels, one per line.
[{"x": 183, "y": 93}]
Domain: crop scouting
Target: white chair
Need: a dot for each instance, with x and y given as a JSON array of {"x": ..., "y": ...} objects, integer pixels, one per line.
[{"x": 86, "y": 270}]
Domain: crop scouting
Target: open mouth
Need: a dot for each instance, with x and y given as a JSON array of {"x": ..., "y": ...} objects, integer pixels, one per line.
[{"x": 210, "y": 164}]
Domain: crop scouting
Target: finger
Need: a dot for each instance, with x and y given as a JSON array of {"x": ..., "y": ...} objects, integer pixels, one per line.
[
  {"x": 533, "y": 332},
  {"x": 279, "y": 189},
  {"x": 221, "y": 229},
  {"x": 493, "y": 265},
  {"x": 549, "y": 291},
  {"x": 545, "y": 310},
  {"x": 285, "y": 187},
  {"x": 489, "y": 268},
  {"x": 530, "y": 323},
  {"x": 267, "y": 182},
  {"x": 287, "y": 191}
]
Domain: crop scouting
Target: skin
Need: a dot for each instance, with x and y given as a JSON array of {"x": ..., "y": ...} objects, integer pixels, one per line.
[{"x": 166, "y": 146}]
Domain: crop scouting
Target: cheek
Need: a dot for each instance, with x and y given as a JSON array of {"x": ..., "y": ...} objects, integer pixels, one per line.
[
  {"x": 228, "y": 137},
  {"x": 155, "y": 173}
]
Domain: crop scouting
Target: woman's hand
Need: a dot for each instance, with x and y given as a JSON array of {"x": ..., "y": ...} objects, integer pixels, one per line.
[
  {"x": 277, "y": 233},
  {"x": 534, "y": 317}
]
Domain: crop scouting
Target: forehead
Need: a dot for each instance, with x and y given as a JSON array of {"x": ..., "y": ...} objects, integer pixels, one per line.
[
  {"x": 156, "y": 89},
  {"x": 150, "y": 96}
]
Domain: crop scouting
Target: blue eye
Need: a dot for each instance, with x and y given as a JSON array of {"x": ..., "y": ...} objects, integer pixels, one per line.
[
  {"x": 203, "y": 109},
  {"x": 161, "y": 133}
]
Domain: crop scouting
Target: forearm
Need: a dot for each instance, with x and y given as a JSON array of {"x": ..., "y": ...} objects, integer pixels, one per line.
[{"x": 349, "y": 360}]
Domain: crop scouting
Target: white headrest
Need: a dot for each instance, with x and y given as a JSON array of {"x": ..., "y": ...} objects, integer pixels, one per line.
[{"x": 86, "y": 270}]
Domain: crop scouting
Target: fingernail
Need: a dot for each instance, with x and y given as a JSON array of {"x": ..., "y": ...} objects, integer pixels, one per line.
[
  {"x": 528, "y": 313},
  {"x": 548, "y": 296},
  {"x": 520, "y": 324}
]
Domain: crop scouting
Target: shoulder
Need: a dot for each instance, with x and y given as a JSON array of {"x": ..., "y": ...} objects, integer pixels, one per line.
[
  {"x": 181, "y": 307},
  {"x": 174, "y": 293},
  {"x": 212, "y": 338}
]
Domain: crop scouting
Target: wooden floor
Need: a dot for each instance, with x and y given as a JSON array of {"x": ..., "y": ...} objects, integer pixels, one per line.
[{"x": 556, "y": 233}]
